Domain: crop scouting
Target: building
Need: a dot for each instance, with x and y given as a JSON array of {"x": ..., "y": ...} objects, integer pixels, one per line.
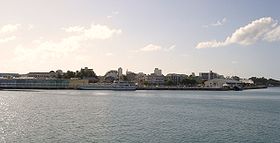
[
  {"x": 209, "y": 75},
  {"x": 120, "y": 72},
  {"x": 41, "y": 75},
  {"x": 34, "y": 84},
  {"x": 219, "y": 83},
  {"x": 9, "y": 75},
  {"x": 193, "y": 74},
  {"x": 175, "y": 78},
  {"x": 87, "y": 72},
  {"x": 157, "y": 72},
  {"x": 154, "y": 79}
]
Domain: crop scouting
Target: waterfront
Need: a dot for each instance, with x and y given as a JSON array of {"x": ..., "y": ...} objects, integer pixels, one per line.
[{"x": 140, "y": 116}]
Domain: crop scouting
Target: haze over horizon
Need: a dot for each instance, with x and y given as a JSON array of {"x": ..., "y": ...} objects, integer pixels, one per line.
[{"x": 229, "y": 37}]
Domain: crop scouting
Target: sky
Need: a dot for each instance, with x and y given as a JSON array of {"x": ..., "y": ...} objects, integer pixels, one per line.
[{"x": 233, "y": 37}]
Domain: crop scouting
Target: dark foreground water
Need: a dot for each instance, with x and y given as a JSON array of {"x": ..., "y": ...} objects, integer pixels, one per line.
[{"x": 140, "y": 116}]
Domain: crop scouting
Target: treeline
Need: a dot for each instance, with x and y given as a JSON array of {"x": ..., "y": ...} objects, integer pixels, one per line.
[
  {"x": 186, "y": 81},
  {"x": 265, "y": 81},
  {"x": 80, "y": 74}
]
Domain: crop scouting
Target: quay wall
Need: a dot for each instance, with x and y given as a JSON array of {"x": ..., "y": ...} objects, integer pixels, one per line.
[{"x": 40, "y": 83}]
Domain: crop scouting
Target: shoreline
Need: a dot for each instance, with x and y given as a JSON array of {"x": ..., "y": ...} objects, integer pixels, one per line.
[{"x": 143, "y": 88}]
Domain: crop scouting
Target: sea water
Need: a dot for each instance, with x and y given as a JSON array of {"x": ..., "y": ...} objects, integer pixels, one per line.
[{"x": 140, "y": 116}]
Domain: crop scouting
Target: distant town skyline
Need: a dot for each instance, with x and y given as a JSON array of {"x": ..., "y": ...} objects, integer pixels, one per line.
[{"x": 229, "y": 37}]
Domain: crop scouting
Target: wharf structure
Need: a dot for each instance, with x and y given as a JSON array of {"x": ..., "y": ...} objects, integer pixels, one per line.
[{"x": 41, "y": 83}]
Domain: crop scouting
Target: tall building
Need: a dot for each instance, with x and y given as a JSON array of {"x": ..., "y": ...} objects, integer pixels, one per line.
[
  {"x": 157, "y": 72},
  {"x": 120, "y": 72},
  {"x": 208, "y": 75}
]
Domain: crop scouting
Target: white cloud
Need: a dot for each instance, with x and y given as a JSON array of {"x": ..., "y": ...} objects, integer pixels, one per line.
[
  {"x": 115, "y": 12},
  {"x": 30, "y": 26},
  {"x": 220, "y": 22},
  {"x": 9, "y": 28},
  {"x": 211, "y": 44},
  {"x": 262, "y": 29},
  {"x": 217, "y": 23},
  {"x": 170, "y": 48},
  {"x": 7, "y": 39},
  {"x": 109, "y": 54},
  {"x": 47, "y": 50},
  {"x": 154, "y": 47},
  {"x": 95, "y": 31},
  {"x": 7, "y": 32},
  {"x": 273, "y": 35},
  {"x": 150, "y": 48},
  {"x": 234, "y": 62},
  {"x": 100, "y": 32},
  {"x": 74, "y": 29}
]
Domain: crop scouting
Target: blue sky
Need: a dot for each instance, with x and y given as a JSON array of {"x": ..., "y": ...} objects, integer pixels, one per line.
[{"x": 239, "y": 37}]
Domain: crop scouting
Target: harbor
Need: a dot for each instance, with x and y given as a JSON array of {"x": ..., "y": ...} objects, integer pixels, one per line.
[
  {"x": 86, "y": 79},
  {"x": 85, "y": 85}
]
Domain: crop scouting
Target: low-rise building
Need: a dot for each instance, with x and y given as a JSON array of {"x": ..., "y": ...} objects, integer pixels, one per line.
[
  {"x": 41, "y": 75},
  {"x": 155, "y": 79},
  {"x": 175, "y": 78},
  {"x": 219, "y": 83},
  {"x": 9, "y": 75}
]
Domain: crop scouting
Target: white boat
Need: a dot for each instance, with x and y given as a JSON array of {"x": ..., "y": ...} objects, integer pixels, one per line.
[{"x": 119, "y": 85}]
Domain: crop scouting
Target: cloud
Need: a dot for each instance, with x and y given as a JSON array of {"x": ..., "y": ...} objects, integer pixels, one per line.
[
  {"x": 154, "y": 47},
  {"x": 30, "y": 26},
  {"x": 220, "y": 22},
  {"x": 95, "y": 31},
  {"x": 217, "y": 23},
  {"x": 109, "y": 54},
  {"x": 262, "y": 29},
  {"x": 170, "y": 48},
  {"x": 234, "y": 62},
  {"x": 9, "y": 28},
  {"x": 109, "y": 16},
  {"x": 100, "y": 32},
  {"x": 113, "y": 14},
  {"x": 45, "y": 50},
  {"x": 74, "y": 29},
  {"x": 273, "y": 35},
  {"x": 150, "y": 48},
  {"x": 7, "y": 32},
  {"x": 7, "y": 39}
]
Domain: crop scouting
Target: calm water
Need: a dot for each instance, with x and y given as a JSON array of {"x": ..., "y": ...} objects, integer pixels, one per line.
[{"x": 140, "y": 116}]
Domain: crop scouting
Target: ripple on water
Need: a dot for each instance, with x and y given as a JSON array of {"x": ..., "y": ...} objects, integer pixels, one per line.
[{"x": 141, "y": 116}]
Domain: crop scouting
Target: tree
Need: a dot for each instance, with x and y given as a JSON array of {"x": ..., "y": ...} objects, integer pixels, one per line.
[
  {"x": 169, "y": 82},
  {"x": 235, "y": 78},
  {"x": 69, "y": 74}
]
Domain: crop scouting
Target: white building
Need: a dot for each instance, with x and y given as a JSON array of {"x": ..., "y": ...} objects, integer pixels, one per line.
[
  {"x": 247, "y": 81},
  {"x": 157, "y": 72},
  {"x": 219, "y": 83},
  {"x": 175, "y": 78},
  {"x": 120, "y": 72}
]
